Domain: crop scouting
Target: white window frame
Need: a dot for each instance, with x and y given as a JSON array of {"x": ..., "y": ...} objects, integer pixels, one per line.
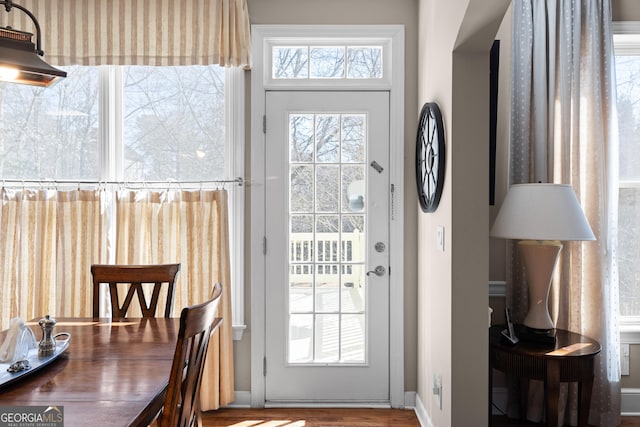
[
  {"x": 111, "y": 114},
  {"x": 626, "y": 36},
  {"x": 235, "y": 143},
  {"x": 391, "y": 37}
]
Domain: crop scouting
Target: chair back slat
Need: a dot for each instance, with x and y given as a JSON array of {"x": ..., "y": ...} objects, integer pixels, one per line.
[
  {"x": 134, "y": 276},
  {"x": 197, "y": 323}
]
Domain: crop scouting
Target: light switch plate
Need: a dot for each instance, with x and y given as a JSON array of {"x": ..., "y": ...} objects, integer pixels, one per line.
[{"x": 624, "y": 359}]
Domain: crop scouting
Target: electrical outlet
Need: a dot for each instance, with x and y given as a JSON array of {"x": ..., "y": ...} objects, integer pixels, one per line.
[
  {"x": 437, "y": 389},
  {"x": 440, "y": 237}
]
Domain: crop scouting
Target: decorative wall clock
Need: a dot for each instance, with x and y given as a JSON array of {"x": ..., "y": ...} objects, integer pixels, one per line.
[{"x": 430, "y": 157}]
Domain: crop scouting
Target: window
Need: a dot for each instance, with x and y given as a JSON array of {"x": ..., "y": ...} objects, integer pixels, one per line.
[
  {"x": 172, "y": 125},
  {"x": 127, "y": 124},
  {"x": 627, "y": 65},
  {"x": 327, "y": 62},
  {"x": 361, "y": 62},
  {"x": 51, "y": 133}
]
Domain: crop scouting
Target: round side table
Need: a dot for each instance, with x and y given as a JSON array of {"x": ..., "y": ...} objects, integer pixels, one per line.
[{"x": 570, "y": 359}]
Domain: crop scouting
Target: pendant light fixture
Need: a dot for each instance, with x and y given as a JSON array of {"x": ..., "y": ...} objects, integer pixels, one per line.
[{"x": 20, "y": 59}]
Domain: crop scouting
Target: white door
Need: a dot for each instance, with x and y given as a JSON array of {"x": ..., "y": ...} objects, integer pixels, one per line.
[{"x": 327, "y": 251}]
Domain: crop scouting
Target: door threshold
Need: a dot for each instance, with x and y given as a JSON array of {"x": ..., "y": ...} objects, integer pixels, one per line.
[{"x": 327, "y": 404}]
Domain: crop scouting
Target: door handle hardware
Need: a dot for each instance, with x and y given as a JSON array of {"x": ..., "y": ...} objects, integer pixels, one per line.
[{"x": 378, "y": 271}]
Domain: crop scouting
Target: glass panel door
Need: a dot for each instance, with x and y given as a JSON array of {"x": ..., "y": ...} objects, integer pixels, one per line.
[
  {"x": 327, "y": 218},
  {"x": 327, "y": 207}
]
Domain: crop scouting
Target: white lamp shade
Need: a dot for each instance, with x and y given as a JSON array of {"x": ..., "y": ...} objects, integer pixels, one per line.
[{"x": 541, "y": 212}]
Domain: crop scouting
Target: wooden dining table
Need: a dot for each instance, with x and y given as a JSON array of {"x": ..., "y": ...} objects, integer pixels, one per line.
[{"x": 114, "y": 372}]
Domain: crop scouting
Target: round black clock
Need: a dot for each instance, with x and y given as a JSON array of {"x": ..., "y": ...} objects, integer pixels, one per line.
[{"x": 430, "y": 157}]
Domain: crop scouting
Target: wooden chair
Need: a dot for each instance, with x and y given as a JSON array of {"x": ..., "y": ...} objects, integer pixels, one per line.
[
  {"x": 135, "y": 276},
  {"x": 181, "y": 406}
]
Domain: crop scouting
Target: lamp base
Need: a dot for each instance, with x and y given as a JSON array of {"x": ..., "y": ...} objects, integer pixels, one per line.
[
  {"x": 539, "y": 336},
  {"x": 540, "y": 258}
]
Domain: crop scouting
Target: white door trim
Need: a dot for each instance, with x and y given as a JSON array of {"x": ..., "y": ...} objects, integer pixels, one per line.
[{"x": 260, "y": 35}]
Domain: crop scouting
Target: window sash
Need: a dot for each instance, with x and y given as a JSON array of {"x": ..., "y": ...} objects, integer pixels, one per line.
[{"x": 626, "y": 40}]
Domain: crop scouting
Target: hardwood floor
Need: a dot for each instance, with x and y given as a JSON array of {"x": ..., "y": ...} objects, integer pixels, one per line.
[
  {"x": 315, "y": 417},
  {"x": 338, "y": 417}
]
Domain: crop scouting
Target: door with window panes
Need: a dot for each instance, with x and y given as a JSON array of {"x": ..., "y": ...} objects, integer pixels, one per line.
[{"x": 327, "y": 256}]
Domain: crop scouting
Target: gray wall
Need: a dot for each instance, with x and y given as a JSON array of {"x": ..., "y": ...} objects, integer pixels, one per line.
[
  {"x": 454, "y": 44},
  {"x": 625, "y": 10},
  {"x": 403, "y": 12}
]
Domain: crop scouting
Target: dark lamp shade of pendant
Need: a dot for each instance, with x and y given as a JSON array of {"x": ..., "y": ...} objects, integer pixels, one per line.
[{"x": 20, "y": 62}]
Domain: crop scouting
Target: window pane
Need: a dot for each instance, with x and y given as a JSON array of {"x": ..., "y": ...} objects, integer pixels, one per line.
[
  {"x": 290, "y": 62},
  {"x": 353, "y": 243},
  {"x": 174, "y": 123},
  {"x": 300, "y": 338},
  {"x": 353, "y": 188},
  {"x": 365, "y": 63},
  {"x": 327, "y": 338},
  {"x": 326, "y": 62},
  {"x": 301, "y": 137},
  {"x": 353, "y": 137},
  {"x": 327, "y": 137},
  {"x": 301, "y": 288},
  {"x": 301, "y": 196},
  {"x": 328, "y": 188},
  {"x": 628, "y": 92},
  {"x": 629, "y": 251},
  {"x": 51, "y": 132},
  {"x": 353, "y": 344}
]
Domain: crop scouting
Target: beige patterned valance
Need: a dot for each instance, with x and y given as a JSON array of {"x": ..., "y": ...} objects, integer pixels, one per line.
[{"x": 138, "y": 32}]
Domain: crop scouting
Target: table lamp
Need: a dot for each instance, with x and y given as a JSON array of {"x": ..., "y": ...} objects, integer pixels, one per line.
[{"x": 540, "y": 216}]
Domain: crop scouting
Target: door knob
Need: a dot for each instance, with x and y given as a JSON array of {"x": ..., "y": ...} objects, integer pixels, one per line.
[{"x": 378, "y": 271}]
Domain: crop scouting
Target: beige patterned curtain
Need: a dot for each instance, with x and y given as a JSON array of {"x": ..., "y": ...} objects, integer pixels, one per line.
[
  {"x": 192, "y": 228},
  {"x": 50, "y": 238},
  {"x": 47, "y": 240},
  {"x": 564, "y": 130},
  {"x": 139, "y": 32}
]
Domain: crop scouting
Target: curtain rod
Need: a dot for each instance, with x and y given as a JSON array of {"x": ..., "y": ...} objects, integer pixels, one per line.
[{"x": 43, "y": 182}]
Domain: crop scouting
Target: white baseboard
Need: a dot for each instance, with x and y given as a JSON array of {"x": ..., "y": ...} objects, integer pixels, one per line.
[
  {"x": 242, "y": 399},
  {"x": 327, "y": 404},
  {"x": 630, "y": 404},
  {"x": 421, "y": 413},
  {"x": 409, "y": 399}
]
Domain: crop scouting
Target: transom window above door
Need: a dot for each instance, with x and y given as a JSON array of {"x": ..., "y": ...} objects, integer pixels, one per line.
[
  {"x": 327, "y": 62},
  {"x": 344, "y": 61}
]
